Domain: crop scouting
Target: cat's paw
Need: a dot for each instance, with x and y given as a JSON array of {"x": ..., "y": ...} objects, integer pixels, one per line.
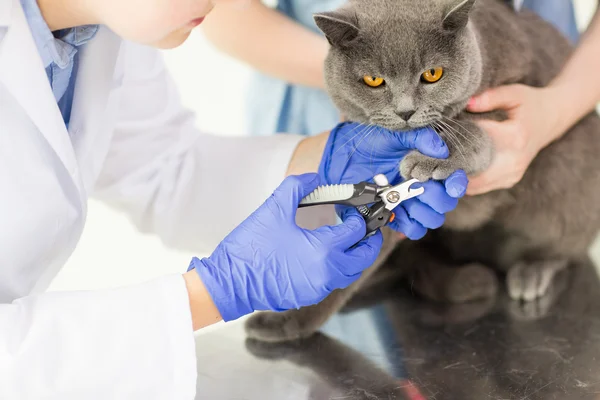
[
  {"x": 424, "y": 168},
  {"x": 540, "y": 307},
  {"x": 275, "y": 327},
  {"x": 530, "y": 281},
  {"x": 471, "y": 282},
  {"x": 272, "y": 351},
  {"x": 530, "y": 310}
]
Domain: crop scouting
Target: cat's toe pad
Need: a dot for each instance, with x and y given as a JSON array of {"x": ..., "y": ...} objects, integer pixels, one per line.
[
  {"x": 423, "y": 168},
  {"x": 528, "y": 282},
  {"x": 273, "y": 327}
]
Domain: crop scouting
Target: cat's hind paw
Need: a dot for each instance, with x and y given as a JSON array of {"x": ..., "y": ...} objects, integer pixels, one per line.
[
  {"x": 276, "y": 327},
  {"x": 530, "y": 281},
  {"x": 272, "y": 350}
]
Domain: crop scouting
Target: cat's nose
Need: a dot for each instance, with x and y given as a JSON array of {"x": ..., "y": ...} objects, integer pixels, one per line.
[{"x": 405, "y": 115}]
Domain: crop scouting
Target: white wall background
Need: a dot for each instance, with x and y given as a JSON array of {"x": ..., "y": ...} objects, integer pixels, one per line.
[{"x": 111, "y": 253}]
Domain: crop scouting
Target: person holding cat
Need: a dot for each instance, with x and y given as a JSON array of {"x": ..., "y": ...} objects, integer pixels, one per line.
[
  {"x": 87, "y": 107},
  {"x": 538, "y": 116}
]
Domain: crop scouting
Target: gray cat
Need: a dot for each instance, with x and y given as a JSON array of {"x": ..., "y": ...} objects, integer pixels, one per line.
[{"x": 403, "y": 64}]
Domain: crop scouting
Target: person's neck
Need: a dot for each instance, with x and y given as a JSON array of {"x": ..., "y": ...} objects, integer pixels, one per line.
[{"x": 63, "y": 14}]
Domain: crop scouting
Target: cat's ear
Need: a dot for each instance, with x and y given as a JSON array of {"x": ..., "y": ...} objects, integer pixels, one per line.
[
  {"x": 340, "y": 27},
  {"x": 457, "y": 16}
]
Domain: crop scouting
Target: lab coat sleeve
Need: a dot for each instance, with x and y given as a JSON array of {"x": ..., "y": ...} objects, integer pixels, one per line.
[
  {"x": 130, "y": 343},
  {"x": 188, "y": 187}
]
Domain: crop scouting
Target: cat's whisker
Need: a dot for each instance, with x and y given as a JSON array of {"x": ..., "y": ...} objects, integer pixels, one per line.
[
  {"x": 361, "y": 125},
  {"x": 455, "y": 121},
  {"x": 353, "y": 137},
  {"x": 365, "y": 133},
  {"x": 453, "y": 132},
  {"x": 373, "y": 127},
  {"x": 453, "y": 139},
  {"x": 373, "y": 148},
  {"x": 449, "y": 123},
  {"x": 473, "y": 139},
  {"x": 463, "y": 136}
]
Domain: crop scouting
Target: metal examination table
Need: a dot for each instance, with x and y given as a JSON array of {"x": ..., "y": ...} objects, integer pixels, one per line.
[{"x": 398, "y": 347}]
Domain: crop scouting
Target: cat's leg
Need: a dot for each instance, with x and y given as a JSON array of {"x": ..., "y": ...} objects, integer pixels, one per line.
[
  {"x": 435, "y": 268},
  {"x": 346, "y": 371},
  {"x": 296, "y": 324},
  {"x": 528, "y": 281},
  {"x": 470, "y": 150},
  {"x": 441, "y": 282},
  {"x": 389, "y": 277}
]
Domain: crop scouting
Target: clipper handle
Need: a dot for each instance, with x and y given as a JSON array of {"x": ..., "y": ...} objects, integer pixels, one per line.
[{"x": 376, "y": 217}]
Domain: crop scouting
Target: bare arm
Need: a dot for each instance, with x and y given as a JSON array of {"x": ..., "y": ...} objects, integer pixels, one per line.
[
  {"x": 204, "y": 310},
  {"x": 578, "y": 85},
  {"x": 269, "y": 41}
]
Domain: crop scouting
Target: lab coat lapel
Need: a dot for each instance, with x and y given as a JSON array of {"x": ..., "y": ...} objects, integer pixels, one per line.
[
  {"x": 22, "y": 73},
  {"x": 94, "y": 104}
]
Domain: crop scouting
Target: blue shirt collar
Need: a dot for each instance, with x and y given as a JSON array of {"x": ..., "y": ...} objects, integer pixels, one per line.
[{"x": 57, "y": 47}]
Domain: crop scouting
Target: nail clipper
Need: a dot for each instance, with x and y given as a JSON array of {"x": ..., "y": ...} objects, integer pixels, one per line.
[{"x": 374, "y": 201}]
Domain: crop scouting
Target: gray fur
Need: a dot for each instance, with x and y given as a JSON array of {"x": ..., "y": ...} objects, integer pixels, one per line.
[{"x": 529, "y": 232}]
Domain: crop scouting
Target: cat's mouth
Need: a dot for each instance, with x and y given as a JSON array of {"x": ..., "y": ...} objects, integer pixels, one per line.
[{"x": 398, "y": 124}]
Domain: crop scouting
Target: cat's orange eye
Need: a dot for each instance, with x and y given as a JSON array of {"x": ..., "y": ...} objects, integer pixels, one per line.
[
  {"x": 373, "y": 81},
  {"x": 432, "y": 75}
]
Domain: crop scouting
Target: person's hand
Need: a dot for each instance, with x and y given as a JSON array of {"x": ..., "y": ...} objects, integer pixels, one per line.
[
  {"x": 355, "y": 153},
  {"x": 533, "y": 122},
  {"x": 269, "y": 263}
]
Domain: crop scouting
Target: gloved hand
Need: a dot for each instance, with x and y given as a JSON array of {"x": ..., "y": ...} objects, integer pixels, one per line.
[
  {"x": 355, "y": 153},
  {"x": 269, "y": 263}
]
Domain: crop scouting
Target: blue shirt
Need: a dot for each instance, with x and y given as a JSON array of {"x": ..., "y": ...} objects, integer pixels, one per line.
[
  {"x": 58, "y": 51},
  {"x": 560, "y": 13}
]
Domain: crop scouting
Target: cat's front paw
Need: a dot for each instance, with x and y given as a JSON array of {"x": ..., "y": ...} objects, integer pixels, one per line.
[{"x": 424, "y": 168}]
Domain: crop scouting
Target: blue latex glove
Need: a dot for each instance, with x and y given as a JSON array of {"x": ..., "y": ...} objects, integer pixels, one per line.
[
  {"x": 355, "y": 153},
  {"x": 269, "y": 263}
]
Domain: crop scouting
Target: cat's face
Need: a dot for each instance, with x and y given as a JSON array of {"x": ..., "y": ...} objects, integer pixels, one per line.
[{"x": 401, "y": 64}]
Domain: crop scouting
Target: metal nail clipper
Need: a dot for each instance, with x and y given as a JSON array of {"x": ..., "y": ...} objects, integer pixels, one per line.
[{"x": 375, "y": 201}]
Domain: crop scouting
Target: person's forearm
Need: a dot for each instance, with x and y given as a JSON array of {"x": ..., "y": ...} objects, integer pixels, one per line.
[
  {"x": 305, "y": 159},
  {"x": 308, "y": 154},
  {"x": 578, "y": 85},
  {"x": 270, "y": 42},
  {"x": 204, "y": 310}
]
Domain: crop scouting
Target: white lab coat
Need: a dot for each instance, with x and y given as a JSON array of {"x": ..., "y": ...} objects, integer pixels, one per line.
[{"x": 132, "y": 145}]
